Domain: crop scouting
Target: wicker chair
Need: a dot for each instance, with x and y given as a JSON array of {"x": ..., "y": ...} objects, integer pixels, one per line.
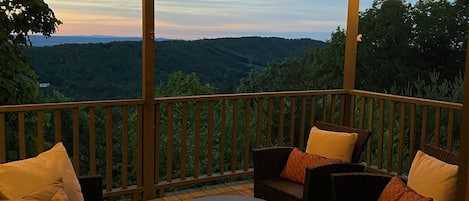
[
  {"x": 368, "y": 186},
  {"x": 269, "y": 163},
  {"x": 91, "y": 187}
]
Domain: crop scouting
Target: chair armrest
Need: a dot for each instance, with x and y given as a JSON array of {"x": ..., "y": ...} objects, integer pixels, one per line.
[
  {"x": 269, "y": 162},
  {"x": 91, "y": 187},
  {"x": 317, "y": 181},
  {"x": 358, "y": 186}
]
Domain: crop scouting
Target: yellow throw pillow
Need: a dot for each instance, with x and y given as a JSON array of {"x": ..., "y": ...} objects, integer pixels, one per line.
[
  {"x": 51, "y": 192},
  {"x": 19, "y": 178},
  {"x": 331, "y": 144},
  {"x": 433, "y": 178}
]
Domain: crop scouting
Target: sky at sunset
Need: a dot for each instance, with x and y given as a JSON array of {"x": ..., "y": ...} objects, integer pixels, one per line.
[{"x": 196, "y": 19}]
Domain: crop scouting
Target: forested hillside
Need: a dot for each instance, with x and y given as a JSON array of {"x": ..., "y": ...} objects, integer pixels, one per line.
[{"x": 113, "y": 70}]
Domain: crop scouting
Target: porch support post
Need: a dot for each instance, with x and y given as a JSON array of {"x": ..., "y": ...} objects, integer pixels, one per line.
[
  {"x": 148, "y": 96},
  {"x": 350, "y": 58},
  {"x": 463, "y": 193}
]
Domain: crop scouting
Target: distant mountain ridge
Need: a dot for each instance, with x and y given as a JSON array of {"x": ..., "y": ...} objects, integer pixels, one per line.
[
  {"x": 40, "y": 41},
  {"x": 97, "y": 71}
]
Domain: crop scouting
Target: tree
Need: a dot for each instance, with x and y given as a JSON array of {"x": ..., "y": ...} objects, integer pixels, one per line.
[
  {"x": 18, "y": 19},
  {"x": 384, "y": 54},
  {"x": 313, "y": 68},
  {"x": 402, "y": 42},
  {"x": 439, "y": 35},
  {"x": 180, "y": 84}
]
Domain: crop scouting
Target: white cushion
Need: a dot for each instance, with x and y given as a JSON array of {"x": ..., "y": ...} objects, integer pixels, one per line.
[
  {"x": 433, "y": 178},
  {"x": 19, "y": 178},
  {"x": 331, "y": 144}
]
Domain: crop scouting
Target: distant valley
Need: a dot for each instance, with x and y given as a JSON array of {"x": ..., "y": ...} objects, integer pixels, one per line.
[{"x": 112, "y": 70}]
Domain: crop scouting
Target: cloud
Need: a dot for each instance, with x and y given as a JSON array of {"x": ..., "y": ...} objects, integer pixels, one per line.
[{"x": 202, "y": 16}]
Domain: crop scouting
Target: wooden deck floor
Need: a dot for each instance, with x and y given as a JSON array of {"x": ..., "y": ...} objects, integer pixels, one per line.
[{"x": 238, "y": 188}]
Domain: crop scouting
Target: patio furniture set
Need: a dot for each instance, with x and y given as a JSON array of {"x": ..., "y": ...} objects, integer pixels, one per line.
[{"x": 432, "y": 175}]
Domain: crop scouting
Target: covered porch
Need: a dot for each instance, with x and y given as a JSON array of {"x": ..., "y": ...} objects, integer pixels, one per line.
[{"x": 151, "y": 148}]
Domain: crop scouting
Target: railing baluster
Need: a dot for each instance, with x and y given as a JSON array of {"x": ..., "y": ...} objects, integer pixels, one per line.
[
  {"x": 124, "y": 147},
  {"x": 371, "y": 110},
  {"x": 234, "y": 136},
  {"x": 40, "y": 131},
  {"x": 260, "y": 110},
  {"x": 412, "y": 139},
  {"x": 324, "y": 107},
  {"x": 301, "y": 140},
  {"x": 280, "y": 122},
  {"x": 361, "y": 120},
  {"x": 292, "y": 121},
  {"x": 423, "y": 132},
  {"x": 197, "y": 140},
  {"x": 400, "y": 155},
  {"x": 210, "y": 138},
  {"x": 268, "y": 139},
  {"x": 312, "y": 113},
  {"x": 390, "y": 142},
  {"x": 3, "y": 143},
  {"x": 92, "y": 130},
  {"x": 109, "y": 148},
  {"x": 57, "y": 126},
  {"x": 22, "y": 135},
  {"x": 169, "y": 143},
  {"x": 437, "y": 125},
  {"x": 332, "y": 108},
  {"x": 223, "y": 137},
  {"x": 342, "y": 109},
  {"x": 449, "y": 143},
  {"x": 140, "y": 143},
  {"x": 76, "y": 140},
  {"x": 247, "y": 122},
  {"x": 352, "y": 113},
  {"x": 185, "y": 107},
  {"x": 380, "y": 133}
]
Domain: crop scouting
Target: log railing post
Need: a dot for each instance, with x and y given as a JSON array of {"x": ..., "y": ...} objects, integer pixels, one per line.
[
  {"x": 350, "y": 58},
  {"x": 148, "y": 95}
]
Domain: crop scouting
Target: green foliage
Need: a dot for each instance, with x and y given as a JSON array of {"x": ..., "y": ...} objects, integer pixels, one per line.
[
  {"x": 179, "y": 84},
  {"x": 113, "y": 70},
  {"x": 402, "y": 42},
  {"x": 314, "y": 68},
  {"x": 18, "y": 83},
  {"x": 436, "y": 89}
]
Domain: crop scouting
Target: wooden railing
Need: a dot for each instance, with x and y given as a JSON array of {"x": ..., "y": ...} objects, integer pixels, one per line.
[
  {"x": 93, "y": 133},
  {"x": 401, "y": 124},
  {"x": 206, "y": 139}
]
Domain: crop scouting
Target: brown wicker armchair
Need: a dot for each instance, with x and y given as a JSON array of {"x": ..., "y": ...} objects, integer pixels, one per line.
[
  {"x": 91, "y": 187},
  {"x": 368, "y": 186},
  {"x": 269, "y": 163}
]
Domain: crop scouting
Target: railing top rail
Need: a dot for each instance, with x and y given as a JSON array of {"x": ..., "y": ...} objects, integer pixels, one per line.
[
  {"x": 422, "y": 101},
  {"x": 64, "y": 105},
  {"x": 248, "y": 95}
]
